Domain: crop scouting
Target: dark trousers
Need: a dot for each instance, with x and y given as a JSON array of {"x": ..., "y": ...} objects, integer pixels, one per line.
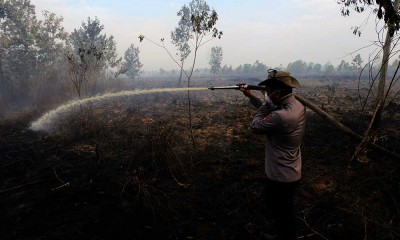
[{"x": 279, "y": 198}]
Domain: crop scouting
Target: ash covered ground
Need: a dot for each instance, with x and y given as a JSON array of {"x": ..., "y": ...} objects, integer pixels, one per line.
[{"x": 130, "y": 169}]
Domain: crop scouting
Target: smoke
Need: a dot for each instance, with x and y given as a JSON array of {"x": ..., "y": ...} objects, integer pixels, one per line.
[{"x": 50, "y": 119}]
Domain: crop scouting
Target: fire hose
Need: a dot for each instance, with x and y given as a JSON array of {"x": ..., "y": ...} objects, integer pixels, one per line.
[{"x": 317, "y": 110}]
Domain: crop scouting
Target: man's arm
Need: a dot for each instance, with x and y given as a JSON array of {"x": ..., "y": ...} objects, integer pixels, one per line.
[
  {"x": 255, "y": 101},
  {"x": 266, "y": 120}
]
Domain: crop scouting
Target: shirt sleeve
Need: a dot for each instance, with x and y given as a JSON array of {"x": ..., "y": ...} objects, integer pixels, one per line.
[
  {"x": 255, "y": 101},
  {"x": 266, "y": 121}
]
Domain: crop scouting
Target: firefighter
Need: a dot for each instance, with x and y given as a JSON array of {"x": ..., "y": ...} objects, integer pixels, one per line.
[{"x": 281, "y": 118}]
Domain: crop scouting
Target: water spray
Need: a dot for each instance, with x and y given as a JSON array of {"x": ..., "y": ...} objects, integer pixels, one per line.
[{"x": 46, "y": 122}]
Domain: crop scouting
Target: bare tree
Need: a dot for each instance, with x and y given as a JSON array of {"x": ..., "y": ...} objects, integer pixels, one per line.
[
  {"x": 380, "y": 96},
  {"x": 200, "y": 21}
]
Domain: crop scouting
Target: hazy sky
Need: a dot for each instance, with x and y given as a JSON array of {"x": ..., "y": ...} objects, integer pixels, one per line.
[{"x": 273, "y": 32}]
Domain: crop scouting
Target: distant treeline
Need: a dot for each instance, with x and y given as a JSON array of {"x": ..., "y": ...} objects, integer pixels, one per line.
[
  {"x": 41, "y": 65},
  {"x": 356, "y": 70}
]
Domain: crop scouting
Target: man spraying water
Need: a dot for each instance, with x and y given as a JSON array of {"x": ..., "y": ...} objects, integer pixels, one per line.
[{"x": 281, "y": 118}]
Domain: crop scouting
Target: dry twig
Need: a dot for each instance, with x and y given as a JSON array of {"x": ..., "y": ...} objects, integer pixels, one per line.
[
  {"x": 64, "y": 184},
  {"x": 20, "y": 186}
]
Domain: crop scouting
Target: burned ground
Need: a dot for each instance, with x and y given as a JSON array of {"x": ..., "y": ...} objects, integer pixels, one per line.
[{"x": 131, "y": 171}]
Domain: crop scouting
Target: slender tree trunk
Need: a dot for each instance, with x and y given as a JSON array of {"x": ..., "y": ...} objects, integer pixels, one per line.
[
  {"x": 2, "y": 85},
  {"x": 2, "y": 88},
  {"x": 180, "y": 76},
  {"x": 376, "y": 122},
  {"x": 188, "y": 95}
]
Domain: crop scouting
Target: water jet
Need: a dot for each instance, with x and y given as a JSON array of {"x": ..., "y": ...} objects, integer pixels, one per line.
[{"x": 47, "y": 121}]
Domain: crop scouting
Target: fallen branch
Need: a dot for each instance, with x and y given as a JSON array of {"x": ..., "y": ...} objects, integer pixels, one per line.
[
  {"x": 314, "y": 232},
  {"x": 342, "y": 127},
  {"x": 64, "y": 184},
  {"x": 61, "y": 186},
  {"x": 20, "y": 186}
]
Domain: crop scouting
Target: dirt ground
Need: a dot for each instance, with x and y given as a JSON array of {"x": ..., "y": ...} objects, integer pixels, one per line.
[{"x": 130, "y": 170}]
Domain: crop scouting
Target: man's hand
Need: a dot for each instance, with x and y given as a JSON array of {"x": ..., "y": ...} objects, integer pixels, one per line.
[{"x": 246, "y": 92}]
